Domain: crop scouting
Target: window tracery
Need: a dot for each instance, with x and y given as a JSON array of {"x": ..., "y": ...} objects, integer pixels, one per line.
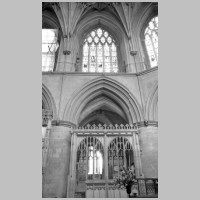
[
  {"x": 90, "y": 159},
  {"x": 151, "y": 41},
  {"x": 49, "y": 47},
  {"x": 120, "y": 155},
  {"x": 99, "y": 52}
]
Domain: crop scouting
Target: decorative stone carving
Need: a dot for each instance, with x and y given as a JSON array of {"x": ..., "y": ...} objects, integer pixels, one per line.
[
  {"x": 66, "y": 52},
  {"x": 46, "y": 116},
  {"x": 109, "y": 127}
]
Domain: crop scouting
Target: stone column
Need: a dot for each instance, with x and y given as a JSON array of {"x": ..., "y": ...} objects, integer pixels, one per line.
[
  {"x": 148, "y": 139},
  {"x": 72, "y": 172},
  {"x": 58, "y": 161}
]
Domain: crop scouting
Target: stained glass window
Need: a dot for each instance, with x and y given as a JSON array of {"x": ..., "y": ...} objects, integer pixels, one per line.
[
  {"x": 151, "y": 41},
  {"x": 99, "y": 52},
  {"x": 49, "y": 47}
]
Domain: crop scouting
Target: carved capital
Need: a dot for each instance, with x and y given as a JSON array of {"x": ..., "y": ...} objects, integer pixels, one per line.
[
  {"x": 133, "y": 53},
  {"x": 66, "y": 52}
]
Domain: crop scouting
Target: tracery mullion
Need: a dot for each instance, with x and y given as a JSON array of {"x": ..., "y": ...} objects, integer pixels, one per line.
[
  {"x": 96, "y": 68},
  {"x": 97, "y": 159},
  {"x": 118, "y": 155},
  {"x": 129, "y": 153},
  {"x": 111, "y": 67},
  {"x": 103, "y": 57},
  {"x": 124, "y": 153},
  {"x": 89, "y": 57},
  {"x": 95, "y": 150},
  {"x": 112, "y": 162},
  {"x": 87, "y": 156},
  {"x": 93, "y": 156},
  {"x": 148, "y": 46},
  {"x": 152, "y": 43},
  {"x": 154, "y": 31}
]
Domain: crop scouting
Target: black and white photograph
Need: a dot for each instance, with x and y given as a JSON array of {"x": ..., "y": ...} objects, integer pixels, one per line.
[{"x": 99, "y": 100}]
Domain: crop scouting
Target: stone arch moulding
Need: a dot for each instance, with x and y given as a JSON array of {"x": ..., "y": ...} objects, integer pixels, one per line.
[
  {"x": 152, "y": 103},
  {"x": 79, "y": 142},
  {"x": 48, "y": 100},
  {"x": 102, "y": 86},
  {"x": 105, "y": 21}
]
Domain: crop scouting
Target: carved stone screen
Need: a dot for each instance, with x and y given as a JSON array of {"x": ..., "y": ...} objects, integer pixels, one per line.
[
  {"x": 120, "y": 154},
  {"x": 90, "y": 159}
]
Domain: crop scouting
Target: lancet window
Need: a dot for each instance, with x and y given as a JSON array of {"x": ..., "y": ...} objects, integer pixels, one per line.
[
  {"x": 151, "y": 41},
  {"x": 49, "y": 47}
]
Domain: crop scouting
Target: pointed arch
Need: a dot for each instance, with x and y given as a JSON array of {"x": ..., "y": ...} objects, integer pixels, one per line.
[
  {"x": 98, "y": 104},
  {"x": 101, "y": 120},
  {"x": 107, "y": 22},
  {"x": 48, "y": 101},
  {"x": 108, "y": 87},
  {"x": 50, "y": 25},
  {"x": 150, "y": 11}
]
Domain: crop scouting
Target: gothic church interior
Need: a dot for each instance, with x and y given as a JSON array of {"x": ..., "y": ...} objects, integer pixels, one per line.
[{"x": 99, "y": 98}]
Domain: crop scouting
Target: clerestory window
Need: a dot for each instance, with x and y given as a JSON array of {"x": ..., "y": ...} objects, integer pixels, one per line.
[
  {"x": 49, "y": 47},
  {"x": 151, "y": 41},
  {"x": 99, "y": 52}
]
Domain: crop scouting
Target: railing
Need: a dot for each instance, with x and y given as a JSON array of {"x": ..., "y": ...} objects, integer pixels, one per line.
[
  {"x": 108, "y": 127},
  {"x": 145, "y": 187},
  {"x": 142, "y": 188}
]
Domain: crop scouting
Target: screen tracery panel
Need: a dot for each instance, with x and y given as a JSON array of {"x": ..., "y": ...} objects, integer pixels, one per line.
[
  {"x": 90, "y": 159},
  {"x": 120, "y": 154}
]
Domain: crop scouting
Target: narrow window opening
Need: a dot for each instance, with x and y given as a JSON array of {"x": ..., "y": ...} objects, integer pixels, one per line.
[
  {"x": 49, "y": 47},
  {"x": 151, "y": 41}
]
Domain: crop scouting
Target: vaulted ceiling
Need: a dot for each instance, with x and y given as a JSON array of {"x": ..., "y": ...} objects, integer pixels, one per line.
[{"x": 71, "y": 13}]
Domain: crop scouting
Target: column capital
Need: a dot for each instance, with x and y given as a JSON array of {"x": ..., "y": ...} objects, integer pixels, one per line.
[{"x": 147, "y": 123}]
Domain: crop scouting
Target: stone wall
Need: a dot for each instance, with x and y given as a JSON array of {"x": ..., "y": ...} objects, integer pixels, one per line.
[
  {"x": 63, "y": 86},
  {"x": 148, "y": 139}
]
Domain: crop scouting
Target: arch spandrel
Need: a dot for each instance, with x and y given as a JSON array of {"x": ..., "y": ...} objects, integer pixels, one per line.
[
  {"x": 101, "y": 86},
  {"x": 108, "y": 23}
]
